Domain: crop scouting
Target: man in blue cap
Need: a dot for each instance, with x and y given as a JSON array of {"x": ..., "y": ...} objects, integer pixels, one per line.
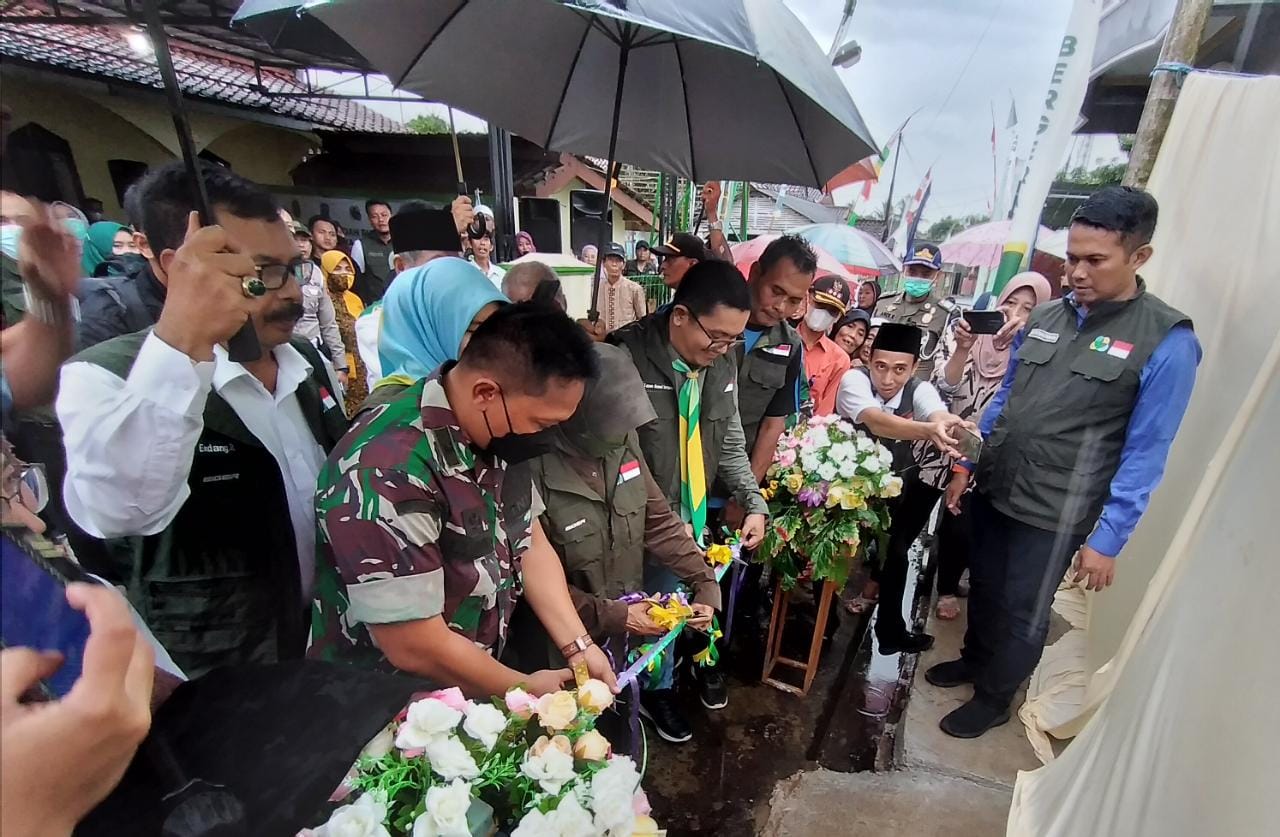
[{"x": 919, "y": 303}]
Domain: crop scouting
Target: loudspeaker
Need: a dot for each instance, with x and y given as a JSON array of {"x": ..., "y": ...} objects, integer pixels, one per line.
[
  {"x": 540, "y": 218},
  {"x": 587, "y": 213}
]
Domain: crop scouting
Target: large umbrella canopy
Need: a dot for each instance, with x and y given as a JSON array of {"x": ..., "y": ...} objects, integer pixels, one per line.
[
  {"x": 747, "y": 253},
  {"x": 981, "y": 246},
  {"x": 862, "y": 254},
  {"x": 548, "y": 70}
]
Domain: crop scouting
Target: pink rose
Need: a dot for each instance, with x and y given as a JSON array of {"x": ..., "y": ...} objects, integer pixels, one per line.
[
  {"x": 452, "y": 698},
  {"x": 640, "y": 804},
  {"x": 521, "y": 704},
  {"x": 787, "y": 458}
]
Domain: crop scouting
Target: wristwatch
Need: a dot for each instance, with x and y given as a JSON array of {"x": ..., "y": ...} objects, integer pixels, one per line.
[
  {"x": 718, "y": 226},
  {"x": 49, "y": 312},
  {"x": 578, "y": 646}
]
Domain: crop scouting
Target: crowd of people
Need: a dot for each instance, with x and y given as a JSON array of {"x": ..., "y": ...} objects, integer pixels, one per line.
[{"x": 430, "y": 469}]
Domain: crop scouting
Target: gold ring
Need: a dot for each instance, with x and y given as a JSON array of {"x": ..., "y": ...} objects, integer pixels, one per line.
[{"x": 252, "y": 287}]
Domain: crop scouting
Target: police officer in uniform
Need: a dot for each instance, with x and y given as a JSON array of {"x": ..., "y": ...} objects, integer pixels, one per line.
[{"x": 919, "y": 303}]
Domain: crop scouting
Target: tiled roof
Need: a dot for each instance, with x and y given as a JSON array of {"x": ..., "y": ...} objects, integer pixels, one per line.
[{"x": 101, "y": 51}]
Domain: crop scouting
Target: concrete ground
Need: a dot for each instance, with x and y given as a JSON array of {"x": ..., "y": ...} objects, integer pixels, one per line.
[{"x": 899, "y": 804}]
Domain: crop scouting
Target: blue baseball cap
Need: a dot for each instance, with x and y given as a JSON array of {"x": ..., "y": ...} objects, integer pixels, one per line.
[{"x": 928, "y": 255}]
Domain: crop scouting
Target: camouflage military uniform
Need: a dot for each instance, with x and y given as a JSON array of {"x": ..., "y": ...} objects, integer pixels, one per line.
[
  {"x": 410, "y": 527},
  {"x": 925, "y": 314}
]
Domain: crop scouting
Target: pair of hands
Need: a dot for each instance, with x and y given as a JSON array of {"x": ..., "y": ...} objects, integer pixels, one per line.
[
  {"x": 1089, "y": 566},
  {"x": 554, "y": 679},
  {"x": 639, "y": 623},
  {"x": 62, "y": 757},
  {"x": 1002, "y": 339},
  {"x": 750, "y": 525}
]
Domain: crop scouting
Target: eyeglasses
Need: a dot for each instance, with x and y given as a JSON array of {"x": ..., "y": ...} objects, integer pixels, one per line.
[
  {"x": 718, "y": 343},
  {"x": 31, "y": 480},
  {"x": 273, "y": 276}
]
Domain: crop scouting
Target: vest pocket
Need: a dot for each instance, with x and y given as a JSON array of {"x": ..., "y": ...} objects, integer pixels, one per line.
[
  {"x": 212, "y": 620},
  {"x": 582, "y": 551}
]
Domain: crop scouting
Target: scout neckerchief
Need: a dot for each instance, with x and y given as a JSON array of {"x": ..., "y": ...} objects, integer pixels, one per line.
[{"x": 693, "y": 478}]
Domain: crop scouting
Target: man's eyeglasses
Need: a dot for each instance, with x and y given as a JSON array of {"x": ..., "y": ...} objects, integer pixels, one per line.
[
  {"x": 27, "y": 483},
  {"x": 718, "y": 343},
  {"x": 273, "y": 276}
]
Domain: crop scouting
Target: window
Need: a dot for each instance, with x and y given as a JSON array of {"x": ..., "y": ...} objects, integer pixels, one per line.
[
  {"x": 124, "y": 173},
  {"x": 39, "y": 162}
]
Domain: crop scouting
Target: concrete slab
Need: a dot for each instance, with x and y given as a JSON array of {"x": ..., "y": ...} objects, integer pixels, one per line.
[
  {"x": 897, "y": 804},
  {"x": 994, "y": 758}
]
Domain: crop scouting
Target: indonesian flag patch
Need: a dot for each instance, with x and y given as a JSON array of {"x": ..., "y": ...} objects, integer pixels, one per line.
[
  {"x": 781, "y": 350},
  {"x": 629, "y": 471},
  {"x": 1120, "y": 349},
  {"x": 326, "y": 400}
]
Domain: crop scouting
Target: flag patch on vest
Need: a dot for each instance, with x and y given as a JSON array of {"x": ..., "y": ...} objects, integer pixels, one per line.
[
  {"x": 1120, "y": 349},
  {"x": 326, "y": 399},
  {"x": 781, "y": 350},
  {"x": 628, "y": 471}
]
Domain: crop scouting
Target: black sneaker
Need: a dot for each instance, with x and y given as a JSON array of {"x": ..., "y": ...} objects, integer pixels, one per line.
[
  {"x": 908, "y": 643},
  {"x": 660, "y": 708},
  {"x": 973, "y": 719},
  {"x": 712, "y": 690},
  {"x": 950, "y": 674}
]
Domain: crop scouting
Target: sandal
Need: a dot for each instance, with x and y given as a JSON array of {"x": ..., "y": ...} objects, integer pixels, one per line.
[{"x": 948, "y": 608}]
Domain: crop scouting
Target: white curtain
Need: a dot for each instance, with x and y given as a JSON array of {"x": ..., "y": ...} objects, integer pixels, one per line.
[{"x": 1181, "y": 729}]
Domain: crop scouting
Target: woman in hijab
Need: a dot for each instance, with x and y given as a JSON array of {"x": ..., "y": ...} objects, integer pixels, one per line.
[
  {"x": 868, "y": 295},
  {"x": 850, "y": 332},
  {"x": 604, "y": 512},
  {"x": 524, "y": 244},
  {"x": 968, "y": 374},
  {"x": 339, "y": 273},
  {"x": 428, "y": 315},
  {"x": 106, "y": 240}
]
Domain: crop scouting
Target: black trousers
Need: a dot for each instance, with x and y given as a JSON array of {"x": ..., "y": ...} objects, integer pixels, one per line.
[
  {"x": 910, "y": 515},
  {"x": 1014, "y": 571},
  {"x": 955, "y": 542}
]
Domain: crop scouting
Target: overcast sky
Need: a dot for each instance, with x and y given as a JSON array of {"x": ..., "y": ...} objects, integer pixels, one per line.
[{"x": 954, "y": 60}]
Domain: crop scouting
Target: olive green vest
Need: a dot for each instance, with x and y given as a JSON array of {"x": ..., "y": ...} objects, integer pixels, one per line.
[
  {"x": 1056, "y": 445},
  {"x": 600, "y": 539},
  {"x": 220, "y": 584},
  {"x": 377, "y": 267},
  {"x": 647, "y": 341},
  {"x": 761, "y": 373}
]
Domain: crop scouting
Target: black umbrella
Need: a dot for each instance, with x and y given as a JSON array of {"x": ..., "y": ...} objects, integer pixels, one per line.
[
  {"x": 713, "y": 89},
  {"x": 243, "y": 345}
]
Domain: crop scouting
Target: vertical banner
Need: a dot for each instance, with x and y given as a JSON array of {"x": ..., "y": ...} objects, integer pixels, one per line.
[{"x": 1061, "y": 110}]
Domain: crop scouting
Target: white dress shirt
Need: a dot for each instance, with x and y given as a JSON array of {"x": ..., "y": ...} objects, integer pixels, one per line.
[
  {"x": 368, "y": 328},
  {"x": 494, "y": 273},
  {"x": 856, "y": 395},
  {"x": 130, "y": 443}
]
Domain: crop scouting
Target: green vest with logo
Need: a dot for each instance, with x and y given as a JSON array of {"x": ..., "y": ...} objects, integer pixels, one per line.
[
  {"x": 377, "y": 267},
  {"x": 761, "y": 373},
  {"x": 646, "y": 340},
  {"x": 220, "y": 584},
  {"x": 1056, "y": 445}
]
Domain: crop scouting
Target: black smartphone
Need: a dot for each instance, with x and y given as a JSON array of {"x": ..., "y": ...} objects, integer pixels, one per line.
[
  {"x": 34, "y": 612},
  {"x": 984, "y": 322}
]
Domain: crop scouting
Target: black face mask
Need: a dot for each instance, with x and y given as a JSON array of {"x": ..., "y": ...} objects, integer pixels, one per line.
[{"x": 517, "y": 447}]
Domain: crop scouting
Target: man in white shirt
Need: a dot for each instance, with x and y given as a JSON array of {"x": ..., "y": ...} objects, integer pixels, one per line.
[
  {"x": 888, "y": 402},
  {"x": 201, "y": 471},
  {"x": 481, "y": 251}
]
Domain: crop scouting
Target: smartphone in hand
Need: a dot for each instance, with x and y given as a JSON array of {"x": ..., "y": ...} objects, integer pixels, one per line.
[
  {"x": 970, "y": 443},
  {"x": 984, "y": 322}
]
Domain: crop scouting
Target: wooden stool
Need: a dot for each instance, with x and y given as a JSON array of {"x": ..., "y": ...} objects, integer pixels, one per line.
[{"x": 773, "y": 649}]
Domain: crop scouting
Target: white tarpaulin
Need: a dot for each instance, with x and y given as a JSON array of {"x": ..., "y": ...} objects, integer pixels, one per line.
[{"x": 1183, "y": 725}]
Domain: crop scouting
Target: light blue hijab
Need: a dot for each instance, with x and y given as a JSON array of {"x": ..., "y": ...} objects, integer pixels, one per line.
[{"x": 426, "y": 313}]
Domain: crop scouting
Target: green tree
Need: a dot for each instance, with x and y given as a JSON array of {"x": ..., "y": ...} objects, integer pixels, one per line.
[{"x": 428, "y": 123}]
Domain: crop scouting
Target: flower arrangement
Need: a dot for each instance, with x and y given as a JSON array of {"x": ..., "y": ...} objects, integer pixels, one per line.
[
  {"x": 827, "y": 487},
  {"x": 524, "y": 766}
]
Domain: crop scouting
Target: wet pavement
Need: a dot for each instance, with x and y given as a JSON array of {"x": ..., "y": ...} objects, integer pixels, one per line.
[{"x": 720, "y": 783}]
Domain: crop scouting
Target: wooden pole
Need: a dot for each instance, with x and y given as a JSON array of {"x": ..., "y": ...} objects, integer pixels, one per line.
[{"x": 1180, "y": 47}]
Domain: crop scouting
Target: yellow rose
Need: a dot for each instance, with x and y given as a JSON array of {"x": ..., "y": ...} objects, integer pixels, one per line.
[
  {"x": 892, "y": 488},
  {"x": 556, "y": 742},
  {"x": 835, "y": 496},
  {"x": 646, "y": 827},
  {"x": 794, "y": 482},
  {"x": 594, "y": 696},
  {"x": 557, "y": 710},
  {"x": 852, "y": 500},
  {"x": 592, "y": 747}
]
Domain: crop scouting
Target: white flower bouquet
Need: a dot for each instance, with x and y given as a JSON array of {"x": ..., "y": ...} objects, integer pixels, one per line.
[
  {"x": 523, "y": 766},
  {"x": 827, "y": 488}
]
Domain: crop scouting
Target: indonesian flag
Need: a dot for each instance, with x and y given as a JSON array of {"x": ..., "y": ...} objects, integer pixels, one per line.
[{"x": 629, "y": 471}]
